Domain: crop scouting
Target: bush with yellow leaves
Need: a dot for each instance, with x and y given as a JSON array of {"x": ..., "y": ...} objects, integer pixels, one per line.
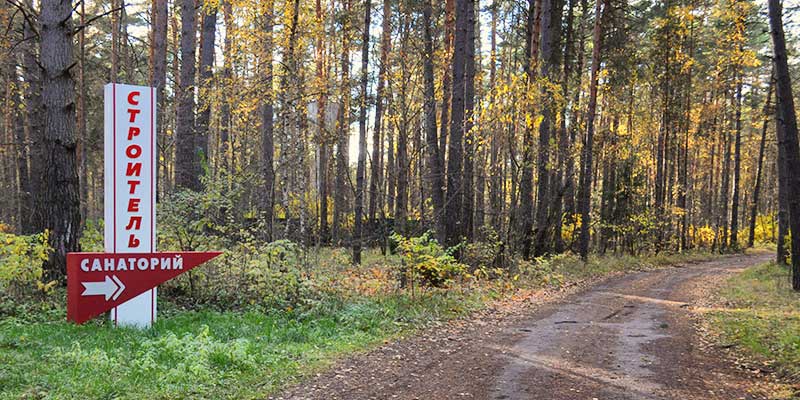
[{"x": 21, "y": 261}]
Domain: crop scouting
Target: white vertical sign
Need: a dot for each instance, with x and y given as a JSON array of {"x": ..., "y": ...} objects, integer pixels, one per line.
[{"x": 130, "y": 186}]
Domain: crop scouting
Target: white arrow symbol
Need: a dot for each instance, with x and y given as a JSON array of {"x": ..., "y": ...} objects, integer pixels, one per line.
[{"x": 112, "y": 287}]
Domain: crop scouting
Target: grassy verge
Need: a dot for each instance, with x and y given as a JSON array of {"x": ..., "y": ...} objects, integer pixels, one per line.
[
  {"x": 248, "y": 353},
  {"x": 762, "y": 316}
]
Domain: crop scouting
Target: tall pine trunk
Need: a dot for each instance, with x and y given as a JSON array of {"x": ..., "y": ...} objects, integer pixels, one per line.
[
  {"x": 737, "y": 167},
  {"x": 62, "y": 199},
  {"x": 586, "y": 156},
  {"x": 435, "y": 177},
  {"x": 377, "y": 156},
  {"x": 34, "y": 118},
  {"x": 361, "y": 169},
  {"x": 207, "y": 50},
  {"x": 455, "y": 151},
  {"x": 186, "y": 176},
  {"x": 267, "y": 124},
  {"x": 751, "y": 237},
  {"x": 788, "y": 120},
  {"x": 343, "y": 134}
]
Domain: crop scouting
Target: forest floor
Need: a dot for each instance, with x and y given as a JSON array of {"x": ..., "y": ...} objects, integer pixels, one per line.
[{"x": 635, "y": 336}]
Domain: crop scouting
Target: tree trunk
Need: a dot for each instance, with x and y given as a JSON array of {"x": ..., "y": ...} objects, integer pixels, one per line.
[
  {"x": 782, "y": 255},
  {"x": 158, "y": 69},
  {"x": 788, "y": 120},
  {"x": 435, "y": 177},
  {"x": 403, "y": 164},
  {"x": 377, "y": 156},
  {"x": 586, "y": 156},
  {"x": 737, "y": 166},
  {"x": 82, "y": 135},
  {"x": 525, "y": 212},
  {"x": 62, "y": 199},
  {"x": 447, "y": 80},
  {"x": 34, "y": 118},
  {"x": 267, "y": 114},
  {"x": 343, "y": 135},
  {"x": 207, "y": 50},
  {"x": 361, "y": 169},
  {"x": 468, "y": 194},
  {"x": 116, "y": 28},
  {"x": 186, "y": 176},
  {"x": 760, "y": 165},
  {"x": 453, "y": 209},
  {"x": 725, "y": 190},
  {"x": 550, "y": 35},
  {"x": 562, "y": 179},
  {"x": 496, "y": 166}
]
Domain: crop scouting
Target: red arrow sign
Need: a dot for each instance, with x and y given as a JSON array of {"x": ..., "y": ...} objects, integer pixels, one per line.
[{"x": 97, "y": 282}]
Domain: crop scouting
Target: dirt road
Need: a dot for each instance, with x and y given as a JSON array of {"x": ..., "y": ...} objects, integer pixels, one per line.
[{"x": 631, "y": 337}]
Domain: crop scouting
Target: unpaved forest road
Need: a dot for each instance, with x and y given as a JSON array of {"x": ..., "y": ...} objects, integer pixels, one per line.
[{"x": 631, "y": 337}]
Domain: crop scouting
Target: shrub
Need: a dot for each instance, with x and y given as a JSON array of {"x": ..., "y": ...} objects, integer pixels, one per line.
[
  {"x": 270, "y": 275},
  {"x": 485, "y": 253},
  {"x": 426, "y": 261},
  {"x": 21, "y": 260}
]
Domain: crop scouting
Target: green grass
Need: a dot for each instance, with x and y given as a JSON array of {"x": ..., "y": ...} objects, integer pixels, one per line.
[
  {"x": 202, "y": 354},
  {"x": 763, "y": 317}
]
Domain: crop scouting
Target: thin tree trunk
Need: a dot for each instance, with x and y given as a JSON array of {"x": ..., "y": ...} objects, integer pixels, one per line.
[
  {"x": 207, "y": 50},
  {"x": 267, "y": 114},
  {"x": 377, "y": 156},
  {"x": 586, "y": 156},
  {"x": 760, "y": 164},
  {"x": 469, "y": 136},
  {"x": 343, "y": 137},
  {"x": 525, "y": 211},
  {"x": 158, "y": 68},
  {"x": 435, "y": 177},
  {"x": 34, "y": 122},
  {"x": 496, "y": 199},
  {"x": 81, "y": 119},
  {"x": 455, "y": 157},
  {"x": 361, "y": 171},
  {"x": 447, "y": 80},
  {"x": 403, "y": 164},
  {"x": 737, "y": 166},
  {"x": 225, "y": 150},
  {"x": 116, "y": 27}
]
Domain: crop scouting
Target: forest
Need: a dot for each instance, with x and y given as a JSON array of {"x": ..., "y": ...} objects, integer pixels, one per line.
[
  {"x": 371, "y": 168},
  {"x": 537, "y": 127}
]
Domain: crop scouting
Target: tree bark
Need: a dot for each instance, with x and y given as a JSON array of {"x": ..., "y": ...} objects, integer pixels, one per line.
[
  {"x": 377, "y": 156},
  {"x": 468, "y": 178},
  {"x": 62, "y": 199},
  {"x": 34, "y": 118},
  {"x": 447, "y": 79},
  {"x": 158, "y": 73},
  {"x": 455, "y": 157},
  {"x": 361, "y": 171},
  {"x": 760, "y": 165},
  {"x": 586, "y": 156},
  {"x": 207, "y": 50},
  {"x": 267, "y": 115},
  {"x": 496, "y": 166},
  {"x": 737, "y": 166},
  {"x": 343, "y": 136},
  {"x": 186, "y": 176},
  {"x": 435, "y": 177},
  {"x": 788, "y": 120}
]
